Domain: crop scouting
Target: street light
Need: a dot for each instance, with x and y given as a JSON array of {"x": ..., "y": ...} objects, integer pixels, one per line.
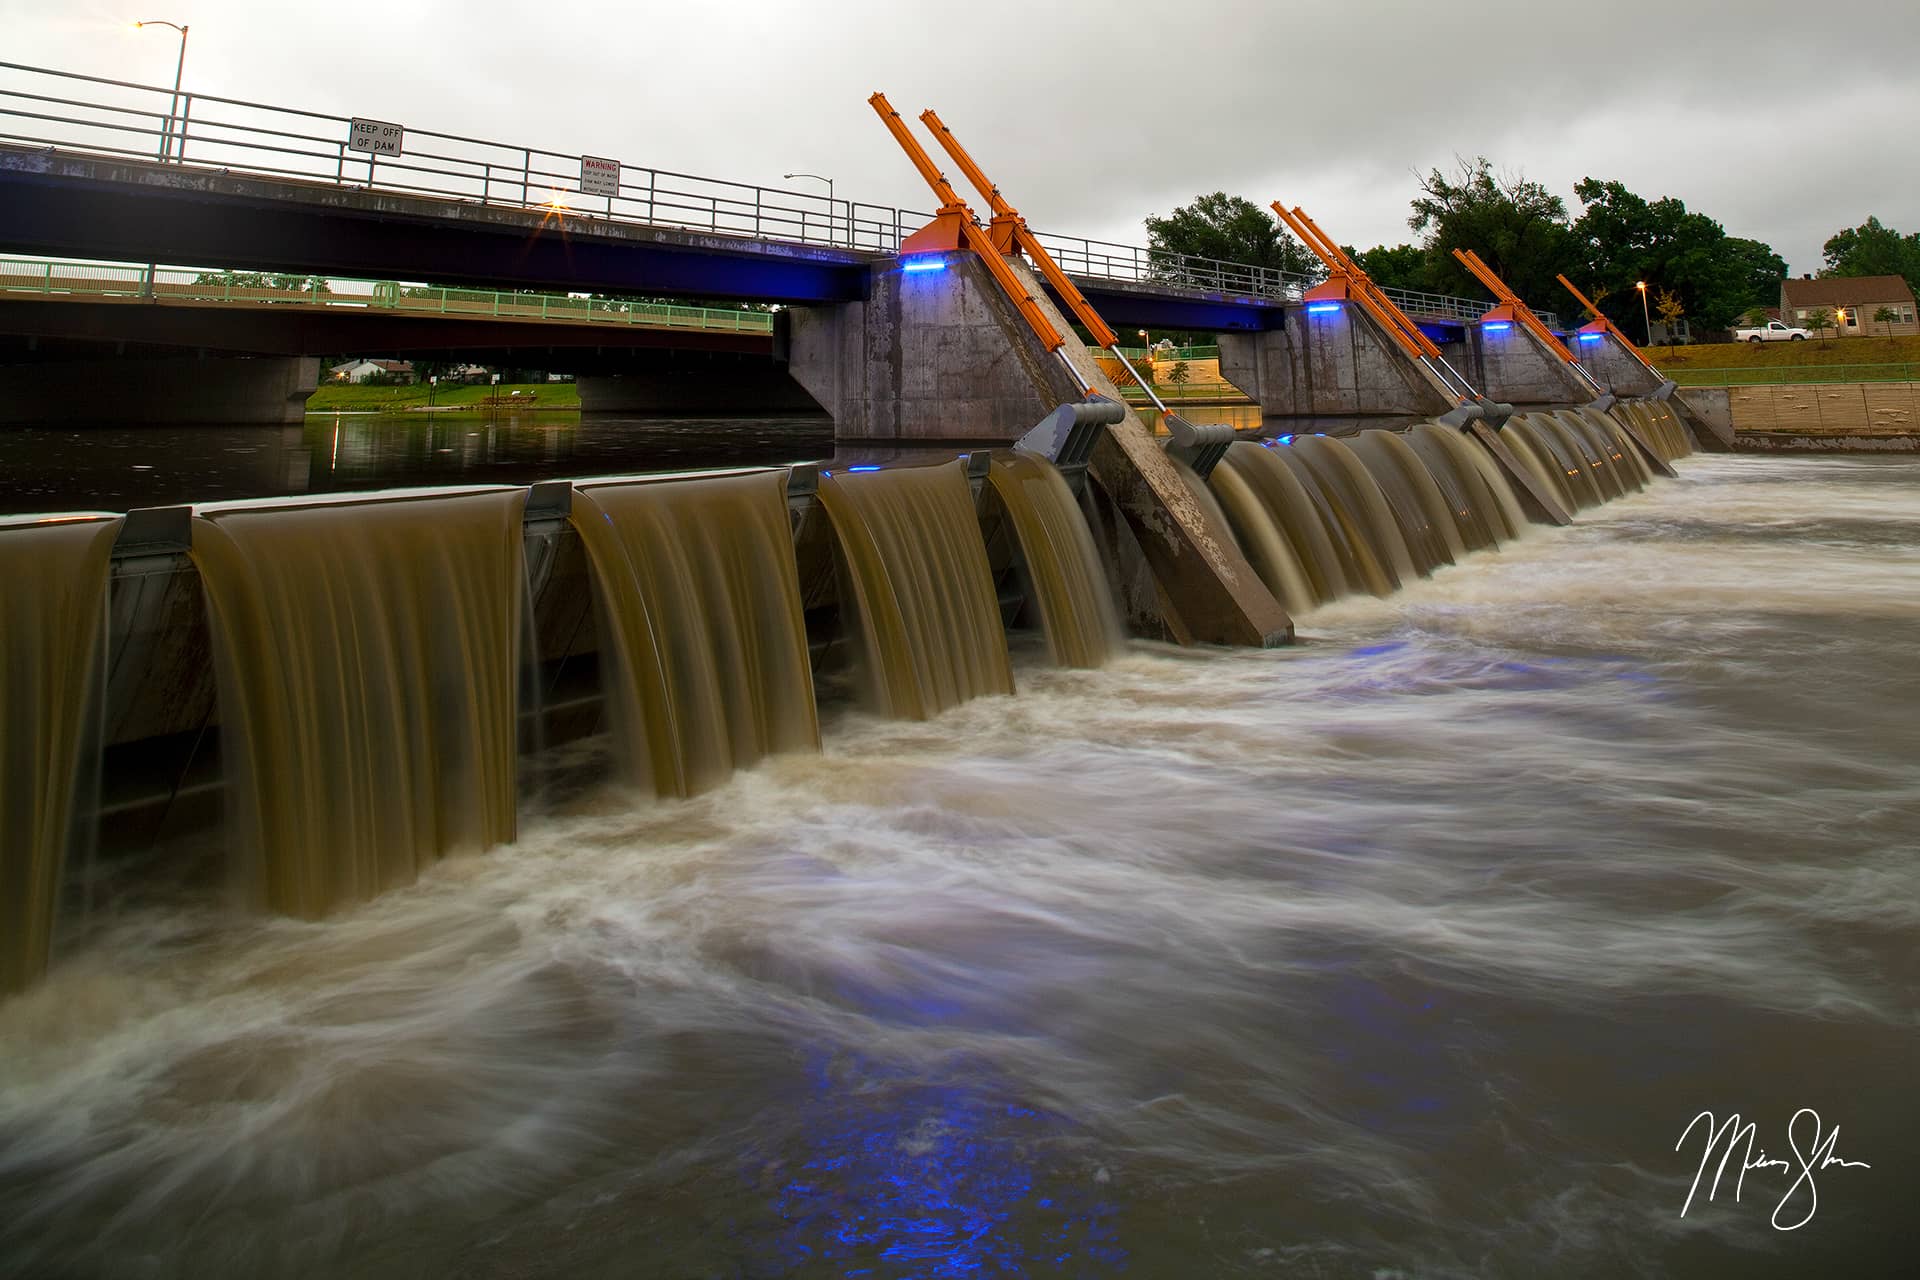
[
  {"x": 1645, "y": 319},
  {"x": 832, "y": 225},
  {"x": 179, "y": 67}
]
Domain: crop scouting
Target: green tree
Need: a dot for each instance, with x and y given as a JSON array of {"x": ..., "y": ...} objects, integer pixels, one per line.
[
  {"x": 1755, "y": 318},
  {"x": 1887, "y": 317},
  {"x": 1819, "y": 320},
  {"x": 1671, "y": 310},
  {"x": 1400, "y": 266},
  {"x": 1231, "y": 229},
  {"x": 1178, "y": 375},
  {"x": 1873, "y": 249},
  {"x": 1518, "y": 227},
  {"x": 1624, "y": 237}
]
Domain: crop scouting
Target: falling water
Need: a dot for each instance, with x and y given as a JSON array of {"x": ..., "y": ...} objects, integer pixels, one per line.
[
  {"x": 55, "y": 577},
  {"x": 705, "y": 646},
  {"x": 1067, "y": 582},
  {"x": 366, "y": 657},
  {"x": 1416, "y": 501},
  {"x": 922, "y": 609}
]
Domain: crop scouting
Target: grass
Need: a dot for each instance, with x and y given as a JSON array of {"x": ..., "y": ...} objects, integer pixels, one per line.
[
  {"x": 1779, "y": 355},
  {"x": 332, "y": 396}
]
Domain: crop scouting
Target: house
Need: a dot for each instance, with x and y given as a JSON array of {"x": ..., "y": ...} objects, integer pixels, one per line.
[
  {"x": 360, "y": 370},
  {"x": 1852, "y": 302}
]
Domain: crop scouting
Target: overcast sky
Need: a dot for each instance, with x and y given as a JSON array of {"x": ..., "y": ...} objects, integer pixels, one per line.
[{"x": 1784, "y": 121}]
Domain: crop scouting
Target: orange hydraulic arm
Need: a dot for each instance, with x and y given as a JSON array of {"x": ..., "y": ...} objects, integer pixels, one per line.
[
  {"x": 1013, "y": 231},
  {"x": 1522, "y": 313},
  {"x": 1609, "y": 325},
  {"x": 1362, "y": 289},
  {"x": 955, "y": 211}
]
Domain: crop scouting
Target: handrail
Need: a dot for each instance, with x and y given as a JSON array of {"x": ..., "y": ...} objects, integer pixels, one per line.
[
  {"x": 1792, "y": 374},
  {"x": 123, "y": 118},
  {"x": 79, "y": 281}
]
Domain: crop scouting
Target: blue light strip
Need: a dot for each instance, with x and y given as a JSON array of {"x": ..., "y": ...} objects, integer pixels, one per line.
[
  {"x": 1592, "y": 337},
  {"x": 1322, "y": 308},
  {"x": 924, "y": 262},
  {"x": 863, "y": 468},
  {"x": 1495, "y": 327}
]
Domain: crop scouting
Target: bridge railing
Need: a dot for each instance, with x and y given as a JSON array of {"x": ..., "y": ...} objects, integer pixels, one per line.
[
  {"x": 68, "y": 110},
  {"x": 85, "y": 281}
]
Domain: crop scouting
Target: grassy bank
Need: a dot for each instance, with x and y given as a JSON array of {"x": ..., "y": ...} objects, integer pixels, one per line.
[
  {"x": 1780, "y": 355},
  {"x": 335, "y": 396}
]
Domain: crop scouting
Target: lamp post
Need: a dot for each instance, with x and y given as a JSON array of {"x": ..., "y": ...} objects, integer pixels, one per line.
[
  {"x": 833, "y": 225},
  {"x": 1645, "y": 318},
  {"x": 179, "y": 68}
]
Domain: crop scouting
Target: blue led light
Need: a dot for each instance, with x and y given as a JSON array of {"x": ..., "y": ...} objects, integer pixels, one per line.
[
  {"x": 1495, "y": 327},
  {"x": 864, "y": 468},
  {"x": 1286, "y": 439},
  {"x": 1592, "y": 337},
  {"x": 924, "y": 262},
  {"x": 1322, "y": 308}
]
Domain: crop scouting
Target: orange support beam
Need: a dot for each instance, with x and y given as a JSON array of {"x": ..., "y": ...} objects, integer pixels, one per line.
[
  {"x": 956, "y": 220},
  {"x": 1608, "y": 326},
  {"x": 1522, "y": 313},
  {"x": 1010, "y": 231}
]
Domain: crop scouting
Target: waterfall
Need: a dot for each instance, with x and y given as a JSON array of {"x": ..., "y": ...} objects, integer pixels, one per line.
[
  {"x": 1065, "y": 579},
  {"x": 50, "y": 655},
  {"x": 916, "y": 588},
  {"x": 704, "y": 648},
  {"x": 1415, "y": 499},
  {"x": 365, "y": 653}
]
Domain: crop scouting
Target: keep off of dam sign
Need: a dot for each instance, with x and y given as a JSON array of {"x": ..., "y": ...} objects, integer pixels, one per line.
[{"x": 375, "y": 137}]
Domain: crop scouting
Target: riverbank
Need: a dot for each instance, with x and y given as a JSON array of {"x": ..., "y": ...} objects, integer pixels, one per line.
[{"x": 363, "y": 399}]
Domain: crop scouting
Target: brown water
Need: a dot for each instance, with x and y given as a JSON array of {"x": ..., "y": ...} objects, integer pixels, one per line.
[
  {"x": 1412, "y": 950},
  {"x": 924, "y": 616},
  {"x": 1066, "y": 582},
  {"x": 118, "y": 468},
  {"x": 367, "y": 663},
  {"x": 700, "y": 599},
  {"x": 54, "y": 577}
]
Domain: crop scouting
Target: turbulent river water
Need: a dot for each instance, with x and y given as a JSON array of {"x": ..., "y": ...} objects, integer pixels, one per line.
[{"x": 1412, "y": 950}]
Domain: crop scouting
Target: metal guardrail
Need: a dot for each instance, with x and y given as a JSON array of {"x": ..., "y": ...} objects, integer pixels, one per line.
[
  {"x": 42, "y": 278},
  {"x": 45, "y": 107},
  {"x": 1794, "y": 374}
]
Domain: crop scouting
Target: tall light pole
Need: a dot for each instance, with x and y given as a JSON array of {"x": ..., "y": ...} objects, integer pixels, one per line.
[
  {"x": 1645, "y": 318},
  {"x": 179, "y": 68},
  {"x": 832, "y": 224}
]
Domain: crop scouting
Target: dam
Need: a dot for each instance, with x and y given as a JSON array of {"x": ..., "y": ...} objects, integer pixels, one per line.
[{"x": 1097, "y": 846}]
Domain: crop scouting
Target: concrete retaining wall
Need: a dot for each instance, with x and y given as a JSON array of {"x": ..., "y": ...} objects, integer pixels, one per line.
[{"x": 180, "y": 389}]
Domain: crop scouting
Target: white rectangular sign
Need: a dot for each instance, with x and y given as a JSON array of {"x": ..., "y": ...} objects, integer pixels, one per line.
[
  {"x": 375, "y": 136},
  {"x": 599, "y": 177}
]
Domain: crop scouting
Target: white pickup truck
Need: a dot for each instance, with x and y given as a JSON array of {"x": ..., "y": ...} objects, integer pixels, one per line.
[{"x": 1771, "y": 331}]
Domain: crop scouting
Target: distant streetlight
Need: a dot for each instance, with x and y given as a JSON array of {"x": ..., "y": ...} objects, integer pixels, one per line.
[
  {"x": 832, "y": 223},
  {"x": 1645, "y": 318},
  {"x": 179, "y": 68}
]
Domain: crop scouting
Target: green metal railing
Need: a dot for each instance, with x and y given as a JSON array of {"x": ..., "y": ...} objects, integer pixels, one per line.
[
  {"x": 1178, "y": 353},
  {"x": 92, "y": 281},
  {"x": 1795, "y": 374}
]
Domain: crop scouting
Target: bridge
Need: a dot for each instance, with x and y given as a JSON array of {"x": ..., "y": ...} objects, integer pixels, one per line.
[{"x": 93, "y": 167}]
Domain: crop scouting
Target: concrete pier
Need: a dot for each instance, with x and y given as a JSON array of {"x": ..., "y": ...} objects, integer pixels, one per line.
[
  {"x": 153, "y": 391},
  {"x": 1332, "y": 368}
]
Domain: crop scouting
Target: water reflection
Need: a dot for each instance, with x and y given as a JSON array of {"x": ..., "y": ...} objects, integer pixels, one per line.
[{"x": 117, "y": 468}]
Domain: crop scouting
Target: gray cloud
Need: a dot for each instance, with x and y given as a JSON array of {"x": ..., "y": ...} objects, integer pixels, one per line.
[{"x": 1093, "y": 115}]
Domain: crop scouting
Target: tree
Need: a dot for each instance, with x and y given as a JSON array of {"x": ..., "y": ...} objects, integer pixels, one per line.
[
  {"x": 1402, "y": 266},
  {"x": 1819, "y": 319},
  {"x": 1518, "y": 227},
  {"x": 1668, "y": 304},
  {"x": 1230, "y": 229},
  {"x": 1873, "y": 249},
  {"x": 1755, "y": 318},
  {"x": 1179, "y": 374},
  {"x": 1887, "y": 317},
  {"x": 1625, "y": 238}
]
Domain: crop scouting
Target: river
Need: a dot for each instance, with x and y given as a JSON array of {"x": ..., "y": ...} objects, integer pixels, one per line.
[{"x": 1411, "y": 950}]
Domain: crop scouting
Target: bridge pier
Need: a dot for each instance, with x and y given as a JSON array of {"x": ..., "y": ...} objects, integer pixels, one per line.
[
  {"x": 210, "y": 390},
  {"x": 934, "y": 354},
  {"x": 1331, "y": 368},
  {"x": 1514, "y": 367}
]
